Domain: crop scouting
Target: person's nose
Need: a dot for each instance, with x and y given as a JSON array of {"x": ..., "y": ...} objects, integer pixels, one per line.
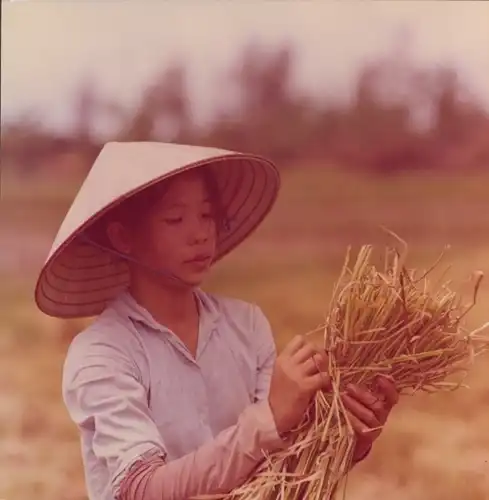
[{"x": 201, "y": 230}]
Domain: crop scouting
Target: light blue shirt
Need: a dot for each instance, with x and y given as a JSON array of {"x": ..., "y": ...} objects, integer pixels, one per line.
[{"x": 132, "y": 387}]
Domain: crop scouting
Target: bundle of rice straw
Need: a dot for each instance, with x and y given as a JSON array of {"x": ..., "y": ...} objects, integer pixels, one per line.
[{"x": 378, "y": 321}]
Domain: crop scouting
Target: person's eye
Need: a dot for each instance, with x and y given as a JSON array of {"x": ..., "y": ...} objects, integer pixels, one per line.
[{"x": 172, "y": 221}]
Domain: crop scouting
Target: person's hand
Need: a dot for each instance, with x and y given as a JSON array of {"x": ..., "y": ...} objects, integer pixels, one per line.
[
  {"x": 299, "y": 372},
  {"x": 368, "y": 412}
]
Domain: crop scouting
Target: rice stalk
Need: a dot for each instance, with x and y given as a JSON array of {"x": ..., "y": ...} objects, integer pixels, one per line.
[{"x": 389, "y": 321}]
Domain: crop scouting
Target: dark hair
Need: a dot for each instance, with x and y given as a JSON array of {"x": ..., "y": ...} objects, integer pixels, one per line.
[{"x": 130, "y": 212}]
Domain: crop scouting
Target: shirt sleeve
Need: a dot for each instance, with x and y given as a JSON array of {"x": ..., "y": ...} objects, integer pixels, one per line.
[
  {"x": 217, "y": 467},
  {"x": 104, "y": 395},
  {"x": 266, "y": 353}
]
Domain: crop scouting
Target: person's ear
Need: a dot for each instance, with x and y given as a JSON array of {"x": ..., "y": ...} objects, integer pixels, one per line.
[{"x": 119, "y": 237}]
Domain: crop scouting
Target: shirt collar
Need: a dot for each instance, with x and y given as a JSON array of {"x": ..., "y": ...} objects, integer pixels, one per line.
[{"x": 129, "y": 307}]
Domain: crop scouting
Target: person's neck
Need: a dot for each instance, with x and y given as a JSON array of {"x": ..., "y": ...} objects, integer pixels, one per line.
[{"x": 168, "y": 304}]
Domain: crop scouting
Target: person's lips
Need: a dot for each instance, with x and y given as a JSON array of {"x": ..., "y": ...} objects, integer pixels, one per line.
[{"x": 199, "y": 259}]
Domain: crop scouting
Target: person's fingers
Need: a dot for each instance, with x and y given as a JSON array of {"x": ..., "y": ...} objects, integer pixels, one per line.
[
  {"x": 359, "y": 427},
  {"x": 312, "y": 365},
  {"x": 319, "y": 381},
  {"x": 388, "y": 389},
  {"x": 304, "y": 353},
  {"x": 316, "y": 363},
  {"x": 294, "y": 345},
  {"x": 368, "y": 399},
  {"x": 363, "y": 413}
]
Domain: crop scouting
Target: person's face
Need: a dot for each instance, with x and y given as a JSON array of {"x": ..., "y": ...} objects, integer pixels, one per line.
[{"x": 178, "y": 233}]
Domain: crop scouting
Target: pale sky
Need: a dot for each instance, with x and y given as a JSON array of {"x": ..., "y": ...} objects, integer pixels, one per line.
[{"x": 49, "y": 46}]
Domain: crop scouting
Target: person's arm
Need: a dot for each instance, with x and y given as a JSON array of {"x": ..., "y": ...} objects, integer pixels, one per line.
[
  {"x": 106, "y": 395},
  {"x": 267, "y": 354},
  {"x": 216, "y": 467}
]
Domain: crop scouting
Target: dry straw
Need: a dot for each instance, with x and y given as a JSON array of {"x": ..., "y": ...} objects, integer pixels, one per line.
[{"x": 388, "y": 321}]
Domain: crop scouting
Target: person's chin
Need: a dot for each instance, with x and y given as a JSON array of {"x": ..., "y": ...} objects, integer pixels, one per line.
[
  {"x": 194, "y": 278},
  {"x": 191, "y": 281}
]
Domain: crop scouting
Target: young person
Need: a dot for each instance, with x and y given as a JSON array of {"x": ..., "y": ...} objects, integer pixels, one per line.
[{"x": 177, "y": 392}]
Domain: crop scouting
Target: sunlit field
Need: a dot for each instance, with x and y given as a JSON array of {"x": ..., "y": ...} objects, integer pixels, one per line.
[{"x": 436, "y": 447}]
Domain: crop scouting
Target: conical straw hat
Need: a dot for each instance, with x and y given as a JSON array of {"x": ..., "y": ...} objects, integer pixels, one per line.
[{"x": 79, "y": 279}]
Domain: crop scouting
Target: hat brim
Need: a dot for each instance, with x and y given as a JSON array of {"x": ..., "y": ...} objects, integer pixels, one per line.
[{"x": 79, "y": 279}]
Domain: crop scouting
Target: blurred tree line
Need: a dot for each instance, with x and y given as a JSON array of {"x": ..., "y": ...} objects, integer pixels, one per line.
[{"x": 399, "y": 117}]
